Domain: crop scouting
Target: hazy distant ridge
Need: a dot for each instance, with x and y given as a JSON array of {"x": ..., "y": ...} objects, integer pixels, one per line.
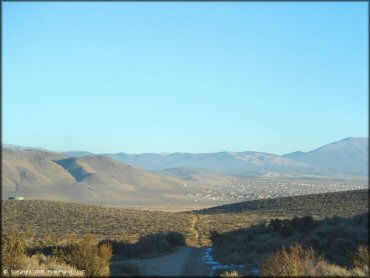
[
  {"x": 349, "y": 156},
  {"x": 345, "y": 157}
]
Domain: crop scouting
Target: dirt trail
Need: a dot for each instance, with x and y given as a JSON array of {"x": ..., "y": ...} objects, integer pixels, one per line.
[
  {"x": 195, "y": 229},
  {"x": 185, "y": 261}
]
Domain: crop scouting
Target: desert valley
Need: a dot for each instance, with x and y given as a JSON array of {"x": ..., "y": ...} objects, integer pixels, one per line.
[
  {"x": 192, "y": 219},
  {"x": 185, "y": 139},
  {"x": 182, "y": 181}
]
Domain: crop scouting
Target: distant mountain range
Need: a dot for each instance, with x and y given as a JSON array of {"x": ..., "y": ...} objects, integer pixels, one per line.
[
  {"x": 165, "y": 178},
  {"x": 97, "y": 179},
  {"x": 347, "y": 157}
]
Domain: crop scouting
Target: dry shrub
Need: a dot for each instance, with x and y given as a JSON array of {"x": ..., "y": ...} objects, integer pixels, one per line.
[
  {"x": 175, "y": 239},
  {"x": 105, "y": 252},
  {"x": 16, "y": 262},
  {"x": 361, "y": 261},
  {"x": 85, "y": 254},
  {"x": 40, "y": 265},
  {"x": 322, "y": 268},
  {"x": 293, "y": 262},
  {"x": 230, "y": 274},
  {"x": 13, "y": 249},
  {"x": 298, "y": 261},
  {"x": 56, "y": 267},
  {"x": 150, "y": 246}
]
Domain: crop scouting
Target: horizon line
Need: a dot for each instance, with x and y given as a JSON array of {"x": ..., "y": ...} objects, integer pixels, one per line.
[{"x": 175, "y": 152}]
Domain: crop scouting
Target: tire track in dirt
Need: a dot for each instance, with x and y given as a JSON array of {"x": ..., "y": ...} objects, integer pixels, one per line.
[
  {"x": 196, "y": 231},
  {"x": 185, "y": 261}
]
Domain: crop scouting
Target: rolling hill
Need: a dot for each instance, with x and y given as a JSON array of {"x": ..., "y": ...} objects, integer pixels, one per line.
[
  {"x": 345, "y": 203},
  {"x": 97, "y": 179},
  {"x": 347, "y": 156},
  {"x": 51, "y": 218},
  {"x": 167, "y": 180}
]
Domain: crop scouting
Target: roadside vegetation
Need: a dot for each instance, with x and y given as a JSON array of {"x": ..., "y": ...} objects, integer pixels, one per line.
[
  {"x": 84, "y": 240},
  {"x": 85, "y": 253},
  {"x": 52, "y": 221},
  {"x": 149, "y": 246},
  {"x": 331, "y": 242},
  {"x": 343, "y": 203},
  {"x": 299, "y": 261},
  {"x": 16, "y": 261},
  {"x": 85, "y": 256}
]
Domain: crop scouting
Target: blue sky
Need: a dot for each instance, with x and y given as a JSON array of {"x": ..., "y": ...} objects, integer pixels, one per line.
[{"x": 186, "y": 77}]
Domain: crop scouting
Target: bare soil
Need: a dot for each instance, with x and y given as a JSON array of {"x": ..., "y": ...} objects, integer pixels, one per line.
[{"x": 185, "y": 261}]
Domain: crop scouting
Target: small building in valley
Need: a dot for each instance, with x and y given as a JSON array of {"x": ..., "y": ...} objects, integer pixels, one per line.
[{"x": 16, "y": 197}]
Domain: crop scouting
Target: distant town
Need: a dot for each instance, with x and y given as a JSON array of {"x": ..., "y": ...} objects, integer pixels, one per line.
[{"x": 262, "y": 190}]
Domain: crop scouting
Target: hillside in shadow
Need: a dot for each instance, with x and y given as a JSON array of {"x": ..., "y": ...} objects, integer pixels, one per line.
[
  {"x": 334, "y": 238},
  {"x": 353, "y": 202},
  {"x": 74, "y": 168}
]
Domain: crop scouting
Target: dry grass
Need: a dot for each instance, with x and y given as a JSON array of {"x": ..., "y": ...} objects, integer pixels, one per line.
[
  {"x": 16, "y": 262},
  {"x": 293, "y": 262},
  {"x": 227, "y": 218},
  {"x": 324, "y": 268},
  {"x": 335, "y": 238},
  {"x": 227, "y": 222},
  {"x": 320, "y": 205},
  {"x": 361, "y": 261},
  {"x": 149, "y": 246},
  {"x": 53, "y": 221},
  {"x": 244, "y": 237},
  {"x": 230, "y": 274},
  {"x": 80, "y": 256},
  {"x": 105, "y": 252},
  {"x": 298, "y": 261},
  {"x": 86, "y": 254},
  {"x": 41, "y": 265},
  {"x": 13, "y": 249}
]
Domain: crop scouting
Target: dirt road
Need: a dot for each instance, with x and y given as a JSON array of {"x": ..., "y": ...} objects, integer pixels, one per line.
[
  {"x": 195, "y": 266},
  {"x": 185, "y": 261}
]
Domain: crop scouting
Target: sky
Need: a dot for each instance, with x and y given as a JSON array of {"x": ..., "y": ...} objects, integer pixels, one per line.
[{"x": 184, "y": 77}]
